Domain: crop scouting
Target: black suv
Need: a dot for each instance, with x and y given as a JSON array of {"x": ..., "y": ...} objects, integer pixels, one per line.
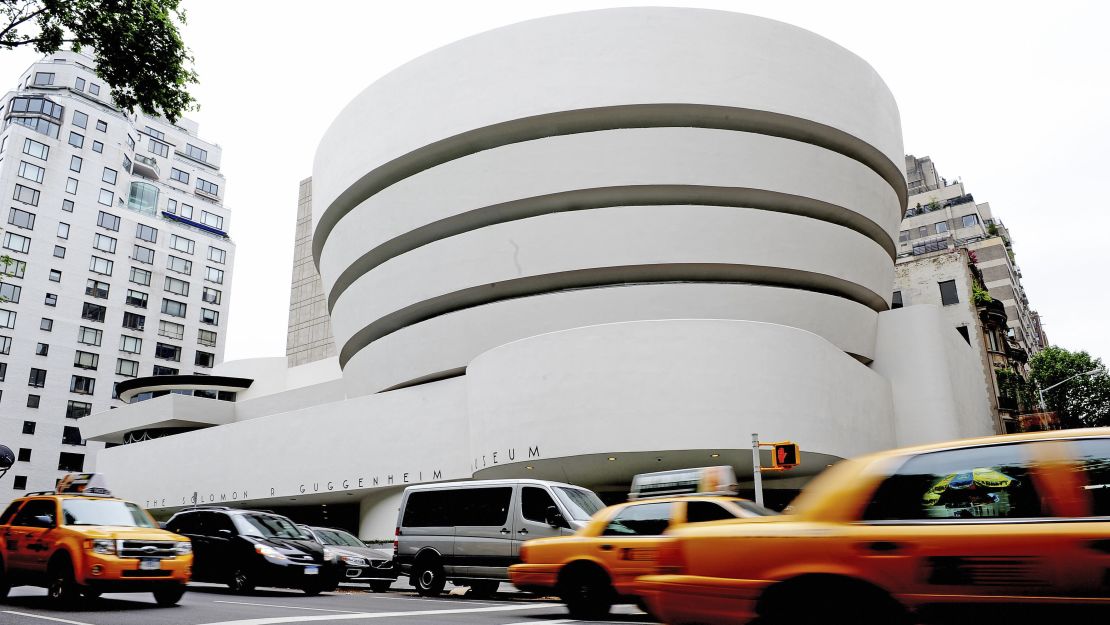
[{"x": 248, "y": 548}]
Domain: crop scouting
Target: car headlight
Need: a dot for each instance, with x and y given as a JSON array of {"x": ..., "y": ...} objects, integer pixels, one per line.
[
  {"x": 353, "y": 560},
  {"x": 183, "y": 548},
  {"x": 330, "y": 555},
  {"x": 102, "y": 546},
  {"x": 269, "y": 552}
]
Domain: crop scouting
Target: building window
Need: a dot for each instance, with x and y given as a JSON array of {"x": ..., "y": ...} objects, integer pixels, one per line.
[
  {"x": 43, "y": 79},
  {"x": 20, "y": 482},
  {"x": 3, "y": 371},
  {"x": 171, "y": 206},
  {"x": 129, "y": 368},
  {"x": 214, "y": 275},
  {"x": 9, "y": 293},
  {"x": 7, "y": 318},
  {"x": 24, "y": 455},
  {"x": 98, "y": 147},
  {"x": 178, "y": 175},
  {"x": 171, "y": 330},
  {"x": 55, "y": 275},
  {"x": 42, "y": 349},
  {"x": 59, "y": 251},
  {"x": 46, "y": 325},
  {"x": 180, "y": 265},
  {"x": 89, "y": 336},
  {"x": 94, "y": 88},
  {"x": 75, "y": 163},
  {"x": 78, "y": 409},
  {"x": 63, "y": 230},
  {"x": 71, "y": 435},
  {"x": 130, "y": 344},
  {"x": 196, "y": 153},
  {"x": 100, "y": 265},
  {"x": 104, "y": 243},
  {"x": 82, "y": 385},
  {"x": 27, "y": 171},
  {"x": 177, "y": 287},
  {"x": 97, "y": 289},
  {"x": 204, "y": 359},
  {"x": 26, "y": 195},
  {"x": 143, "y": 197},
  {"x": 93, "y": 312},
  {"x": 143, "y": 255},
  {"x": 211, "y": 219},
  {"x": 167, "y": 352},
  {"x": 186, "y": 211},
  {"x": 76, "y": 140},
  {"x": 67, "y": 206},
  {"x": 948, "y": 294},
  {"x": 35, "y": 149},
  {"x": 106, "y": 197},
  {"x": 207, "y": 187},
  {"x": 108, "y": 175},
  {"x": 14, "y": 269},
  {"x": 160, "y": 370},
  {"x": 17, "y": 242},
  {"x": 85, "y": 360},
  {"x": 136, "y": 298},
  {"x": 28, "y": 427},
  {"x": 217, "y": 255},
  {"x": 181, "y": 244},
  {"x": 80, "y": 120},
  {"x": 5, "y": 345},
  {"x": 102, "y": 125},
  {"x": 941, "y": 227},
  {"x": 134, "y": 321},
  {"x": 211, "y": 296},
  {"x": 37, "y": 378},
  {"x": 173, "y": 308},
  {"x": 22, "y": 219},
  {"x": 146, "y": 233},
  {"x": 211, "y": 317},
  {"x": 71, "y": 462},
  {"x": 51, "y": 299},
  {"x": 206, "y": 337},
  {"x": 108, "y": 221},
  {"x": 159, "y": 148},
  {"x": 33, "y": 401},
  {"x": 140, "y": 276}
]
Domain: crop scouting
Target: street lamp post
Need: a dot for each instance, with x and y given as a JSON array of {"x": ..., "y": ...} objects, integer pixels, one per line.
[{"x": 1041, "y": 391}]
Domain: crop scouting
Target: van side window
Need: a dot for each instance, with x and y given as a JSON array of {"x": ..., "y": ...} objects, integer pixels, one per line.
[
  {"x": 649, "y": 519},
  {"x": 994, "y": 481},
  {"x": 428, "y": 508},
  {"x": 699, "y": 511},
  {"x": 1093, "y": 458},
  {"x": 484, "y": 506},
  {"x": 534, "y": 502}
]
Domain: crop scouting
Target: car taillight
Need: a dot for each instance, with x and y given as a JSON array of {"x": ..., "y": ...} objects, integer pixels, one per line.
[
  {"x": 396, "y": 546},
  {"x": 670, "y": 558}
]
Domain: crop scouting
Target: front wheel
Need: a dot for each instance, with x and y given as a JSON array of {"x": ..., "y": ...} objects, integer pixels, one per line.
[
  {"x": 89, "y": 593},
  {"x": 63, "y": 589},
  {"x": 382, "y": 586},
  {"x": 429, "y": 578},
  {"x": 241, "y": 582},
  {"x": 588, "y": 595},
  {"x": 169, "y": 596}
]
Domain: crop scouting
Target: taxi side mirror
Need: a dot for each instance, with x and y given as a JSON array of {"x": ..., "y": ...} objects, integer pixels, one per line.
[{"x": 554, "y": 518}]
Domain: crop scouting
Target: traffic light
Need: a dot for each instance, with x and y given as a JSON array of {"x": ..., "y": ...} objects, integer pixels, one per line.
[{"x": 785, "y": 455}]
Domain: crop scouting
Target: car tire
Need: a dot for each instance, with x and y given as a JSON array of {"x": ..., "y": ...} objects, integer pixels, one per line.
[
  {"x": 241, "y": 582},
  {"x": 167, "y": 597},
  {"x": 380, "y": 586},
  {"x": 483, "y": 588},
  {"x": 429, "y": 578},
  {"x": 312, "y": 590},
  {"x": 63, "y": 588},
  {"x": 5, "y": 585},
  {"x": 89, "y": 593},
  {"x": 587, "y": 594}
]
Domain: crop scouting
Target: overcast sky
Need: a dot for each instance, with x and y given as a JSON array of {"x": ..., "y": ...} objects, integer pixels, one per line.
[{"x": 1012, "y": 98}]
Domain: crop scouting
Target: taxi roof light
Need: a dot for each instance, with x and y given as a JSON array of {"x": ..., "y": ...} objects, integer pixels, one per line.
[
  {"x": 719, "y": 480},
  {"x": 83, "y": 484}
]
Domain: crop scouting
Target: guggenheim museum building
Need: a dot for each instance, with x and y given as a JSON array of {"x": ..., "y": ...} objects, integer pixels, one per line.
[{"x": 577, "y": 248}]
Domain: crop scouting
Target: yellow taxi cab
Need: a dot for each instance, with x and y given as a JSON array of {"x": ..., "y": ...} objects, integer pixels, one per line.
[
  {"x": 80, "y": 540},
  {"x": 596, "y": 567},
  {"x": 969, "y": 530}
]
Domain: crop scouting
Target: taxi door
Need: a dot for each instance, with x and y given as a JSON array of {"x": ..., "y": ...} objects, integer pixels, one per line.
[
  {"x": 28, "y": 537},
  {"x": 1079, "y": 489},
  {"x": 955, "y": 525},
  {"x": 628, "y": 546}
]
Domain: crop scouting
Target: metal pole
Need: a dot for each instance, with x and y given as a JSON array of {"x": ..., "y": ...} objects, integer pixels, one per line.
[{"x": 756, "y": 470}]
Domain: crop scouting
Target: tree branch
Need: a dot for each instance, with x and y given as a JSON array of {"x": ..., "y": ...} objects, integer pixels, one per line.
[{"x": 17, "y": 21}]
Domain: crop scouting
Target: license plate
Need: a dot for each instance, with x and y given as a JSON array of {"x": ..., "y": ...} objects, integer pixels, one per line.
[
  {"x": 150, "y": 564},
  {"x": 311, "y": 570}
]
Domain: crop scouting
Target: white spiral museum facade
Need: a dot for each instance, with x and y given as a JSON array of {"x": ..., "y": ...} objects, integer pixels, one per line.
[{"x": 639, "y": 234}]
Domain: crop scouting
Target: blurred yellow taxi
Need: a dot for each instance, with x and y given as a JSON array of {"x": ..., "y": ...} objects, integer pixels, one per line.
[
  {"x": 597, "y": 566},
  {"x": 941, "y": 531}
]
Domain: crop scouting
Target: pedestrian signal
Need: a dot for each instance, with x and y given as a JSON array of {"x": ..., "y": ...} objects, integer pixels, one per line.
[{"x": 785, "y": 455}]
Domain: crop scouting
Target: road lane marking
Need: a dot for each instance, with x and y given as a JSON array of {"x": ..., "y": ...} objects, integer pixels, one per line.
[
  {"x": 290, "y": 607},
  {"x": 278, "y": 620},
  {"x": 45, "y": 618},
  {"x": 558, "y": 622}
]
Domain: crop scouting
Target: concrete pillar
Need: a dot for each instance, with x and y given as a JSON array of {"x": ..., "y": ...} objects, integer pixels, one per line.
[{"x": 377, "y": 514}]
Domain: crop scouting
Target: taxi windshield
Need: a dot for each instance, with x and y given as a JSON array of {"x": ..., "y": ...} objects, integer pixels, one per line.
[
  {"x": 267, "y": 526},
  {"x": 582, "y": 504},
  {"x": 338, "y": 538},
  {"x": 103, "y": 512}
]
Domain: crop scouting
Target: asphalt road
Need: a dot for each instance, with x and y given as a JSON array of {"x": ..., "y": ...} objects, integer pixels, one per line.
[{"x": 209, "y": 604}]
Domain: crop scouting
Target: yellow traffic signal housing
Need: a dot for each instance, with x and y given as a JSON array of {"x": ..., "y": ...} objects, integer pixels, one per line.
[{"x": 785, "y": 455}]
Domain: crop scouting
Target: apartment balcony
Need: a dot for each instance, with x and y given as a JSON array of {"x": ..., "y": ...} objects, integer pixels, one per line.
[
  {"x": 146, "y": 167},
  {"x": 993, "y": 312}
]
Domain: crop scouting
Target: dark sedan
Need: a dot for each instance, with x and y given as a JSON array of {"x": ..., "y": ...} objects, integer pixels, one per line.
[{"x": 355, "y": 562}]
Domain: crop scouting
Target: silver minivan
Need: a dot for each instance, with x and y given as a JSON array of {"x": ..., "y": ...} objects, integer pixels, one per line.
[{"x": 470, "y": 532}]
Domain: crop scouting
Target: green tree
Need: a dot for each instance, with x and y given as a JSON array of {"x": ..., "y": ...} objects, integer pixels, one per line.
[
  {"x": 137, "y": 47},
  {"x": 1081, "y": 402}
]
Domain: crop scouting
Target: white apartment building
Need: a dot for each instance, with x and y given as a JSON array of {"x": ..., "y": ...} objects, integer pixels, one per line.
[{"x": 121, "y": 261}]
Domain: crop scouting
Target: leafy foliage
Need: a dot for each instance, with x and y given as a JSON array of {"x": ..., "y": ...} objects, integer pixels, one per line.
[
  {"x": 1083, "y": 401},
  {"x": 980, "y": 295},
  {"x": 138, "y": 49}
]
